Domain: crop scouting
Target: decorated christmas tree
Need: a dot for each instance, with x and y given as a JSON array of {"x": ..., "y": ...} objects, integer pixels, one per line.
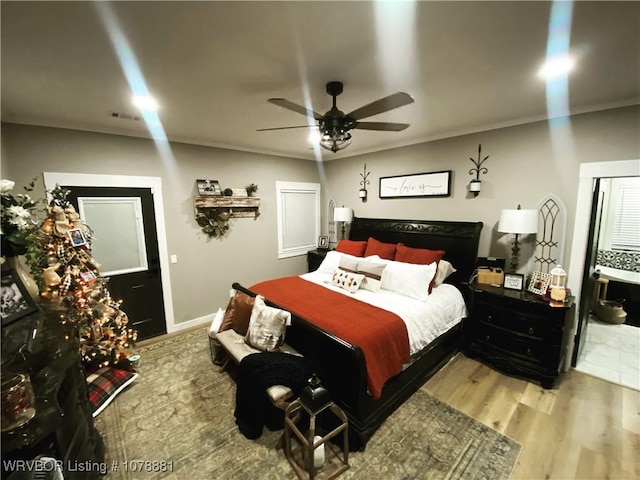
[{"x": 71, "y": 278}]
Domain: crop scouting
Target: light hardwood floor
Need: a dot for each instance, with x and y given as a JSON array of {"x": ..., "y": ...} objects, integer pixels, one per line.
[{"x": 585, "y": 428}]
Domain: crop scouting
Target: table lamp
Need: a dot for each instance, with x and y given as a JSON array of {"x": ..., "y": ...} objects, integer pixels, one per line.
[
  {"x": 342, "y": 214},
  {"x": 518, "y": 222}
]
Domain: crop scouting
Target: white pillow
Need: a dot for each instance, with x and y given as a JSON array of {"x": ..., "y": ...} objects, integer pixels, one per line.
[
  {"x": 267, "y": 326},
  {"x": 216, "y": 322},
  {"x": 346, "y": 280},
  {"x": 349, "y": 264},
  {"x": 372, "y": 272},
  {"x": 332, "y": 261},
  {"x": 444, "y": 270},
  {"x": 408, "y": 279}
]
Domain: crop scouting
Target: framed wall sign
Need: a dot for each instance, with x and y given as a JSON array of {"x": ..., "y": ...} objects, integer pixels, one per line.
[
  {"x": 513, "y": 281},
  {"x": 434, "y": 184}
]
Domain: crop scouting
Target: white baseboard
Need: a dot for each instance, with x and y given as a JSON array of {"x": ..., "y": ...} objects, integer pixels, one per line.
[{"x": 196, "y": 322}]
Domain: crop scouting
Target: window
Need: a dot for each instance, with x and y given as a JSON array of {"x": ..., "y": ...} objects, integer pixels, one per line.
[
  {"x": 621, "y": 218},
  {"x": 298, "y": 217}
]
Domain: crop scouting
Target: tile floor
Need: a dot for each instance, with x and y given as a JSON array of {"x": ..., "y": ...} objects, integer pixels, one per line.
[{"x": 612, "y": 352}]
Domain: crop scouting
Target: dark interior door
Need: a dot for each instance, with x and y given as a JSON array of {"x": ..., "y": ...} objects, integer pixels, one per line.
[
  {"x": 588, "y": 280},
  {"x": 126, "y": 238}
]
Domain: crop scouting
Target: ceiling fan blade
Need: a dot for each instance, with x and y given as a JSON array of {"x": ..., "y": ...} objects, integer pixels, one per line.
[
  {"x": 383, "y": 126},
  {"x": 384, "y": 104},
  {"x": 281, "y": 102},
  {"x": 285, "y": 128}
]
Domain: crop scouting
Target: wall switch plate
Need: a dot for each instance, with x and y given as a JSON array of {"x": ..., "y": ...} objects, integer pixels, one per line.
[{"x": 174, "y": 259}]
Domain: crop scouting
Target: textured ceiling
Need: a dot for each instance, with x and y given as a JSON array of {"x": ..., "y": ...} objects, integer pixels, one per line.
[{"x": 212, "y": 66}]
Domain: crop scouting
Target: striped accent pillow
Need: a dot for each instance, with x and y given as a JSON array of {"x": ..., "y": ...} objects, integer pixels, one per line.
[{"x": 372, "y": 275}]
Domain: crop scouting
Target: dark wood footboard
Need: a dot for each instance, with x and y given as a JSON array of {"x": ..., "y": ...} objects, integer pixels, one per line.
[{"x": 342, "y": 369}]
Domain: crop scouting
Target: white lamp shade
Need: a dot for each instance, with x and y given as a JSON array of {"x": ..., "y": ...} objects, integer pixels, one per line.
[
  {"x": 518, "y": 221},
  {"x": 342, "y": 214}
]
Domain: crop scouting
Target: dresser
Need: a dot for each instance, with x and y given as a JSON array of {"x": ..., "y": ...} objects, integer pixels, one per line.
[
  {"x": 315, "y": 258},
  {"x": 517, "y": 332}
]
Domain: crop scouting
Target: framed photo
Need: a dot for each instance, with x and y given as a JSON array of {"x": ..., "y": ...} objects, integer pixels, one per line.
[
  {"x": 539, "y": 283},
  {"x": 323, "y": 242},
  {"x": 208, "y": 187},
  {"x": 16, "y": 302},
  {"x": 77, "y": 237},
  {"x": 434, "y": 184},
  {"x": 513, "y": 281}
]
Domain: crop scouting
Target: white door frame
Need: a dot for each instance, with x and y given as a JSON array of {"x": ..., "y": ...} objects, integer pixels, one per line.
[
  {"x": 51, "y": 179},
  {"x": 588, "y": 172}
]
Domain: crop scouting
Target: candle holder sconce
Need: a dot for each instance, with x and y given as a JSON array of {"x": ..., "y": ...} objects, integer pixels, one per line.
[
  {"x": 362, "y": 193},
  {"x": 474, "y": 185}
]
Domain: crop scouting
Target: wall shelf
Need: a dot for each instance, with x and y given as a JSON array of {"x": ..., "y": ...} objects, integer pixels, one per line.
[{"x": 238, "y": 207}]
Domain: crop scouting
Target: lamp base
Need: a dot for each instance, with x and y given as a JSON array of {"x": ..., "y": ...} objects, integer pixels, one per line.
[{"x": 515, "y": 255}]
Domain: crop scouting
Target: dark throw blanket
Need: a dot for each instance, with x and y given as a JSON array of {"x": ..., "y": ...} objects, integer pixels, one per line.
[{"x": 256, "y": 373}]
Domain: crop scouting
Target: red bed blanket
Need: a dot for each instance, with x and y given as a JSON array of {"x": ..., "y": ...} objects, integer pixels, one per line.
[{"x": 380, "y": 334}]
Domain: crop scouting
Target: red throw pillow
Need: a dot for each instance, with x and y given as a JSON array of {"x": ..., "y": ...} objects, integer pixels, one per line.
[
  {"x": 383, "y": 250},
  {"x": 420, "y": 256},
  {"x": 352, "y": 247}
]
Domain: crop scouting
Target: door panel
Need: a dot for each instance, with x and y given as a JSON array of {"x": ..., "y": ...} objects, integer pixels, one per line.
[
  {"x": 123, "y": 221},
  {"x": 588, "y": 280}
]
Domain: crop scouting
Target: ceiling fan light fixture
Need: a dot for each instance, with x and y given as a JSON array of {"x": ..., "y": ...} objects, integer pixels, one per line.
[{"x": 335, "y": 139}]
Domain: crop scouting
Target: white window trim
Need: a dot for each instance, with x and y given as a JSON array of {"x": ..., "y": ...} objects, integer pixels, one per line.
[{"x": 283, "y": 188}]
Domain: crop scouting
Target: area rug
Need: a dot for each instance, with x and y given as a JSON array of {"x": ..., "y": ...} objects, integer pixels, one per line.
[{"x": 176, "y": 421}]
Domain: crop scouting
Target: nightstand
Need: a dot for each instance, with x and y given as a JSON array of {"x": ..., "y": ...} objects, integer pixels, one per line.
[
  {"x": 315, "y": 258},
  {"x": 517, "y": 332}
]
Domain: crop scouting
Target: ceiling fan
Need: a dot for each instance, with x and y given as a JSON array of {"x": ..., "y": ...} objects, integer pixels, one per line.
[{"x": 335, "y": 125}]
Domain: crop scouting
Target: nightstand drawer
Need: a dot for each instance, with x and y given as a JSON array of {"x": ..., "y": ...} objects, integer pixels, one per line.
[
  {"x": 496, "y": 338},
  {"x": 511, "y": 320}
]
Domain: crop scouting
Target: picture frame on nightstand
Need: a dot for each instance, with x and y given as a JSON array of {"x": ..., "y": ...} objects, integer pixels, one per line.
[
  {"x": 323, "y": 242},
  {"x": 513, "y": 281},
  {"x": 539, "y": 283}
]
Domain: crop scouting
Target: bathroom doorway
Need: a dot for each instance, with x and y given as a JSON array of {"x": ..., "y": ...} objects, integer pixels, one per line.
[{"x": 610, "y": 349}]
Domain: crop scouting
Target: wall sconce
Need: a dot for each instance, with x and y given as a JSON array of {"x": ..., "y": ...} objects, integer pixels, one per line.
[
  {"x": 474, "y": 185},
  {"x": 342, "y": 214},
  {"x": 362, "y": 193},
  {"x": 518, "y": 222}
]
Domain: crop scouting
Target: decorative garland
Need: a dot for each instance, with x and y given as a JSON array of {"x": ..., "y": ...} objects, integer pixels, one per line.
[{"x": 214, "y": 221}]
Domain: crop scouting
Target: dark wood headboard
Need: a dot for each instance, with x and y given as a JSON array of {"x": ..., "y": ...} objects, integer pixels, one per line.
[{"x": 458, "y": 239}]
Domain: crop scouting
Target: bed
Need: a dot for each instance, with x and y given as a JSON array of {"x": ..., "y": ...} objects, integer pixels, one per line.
[{"x": 342, "y": 365}]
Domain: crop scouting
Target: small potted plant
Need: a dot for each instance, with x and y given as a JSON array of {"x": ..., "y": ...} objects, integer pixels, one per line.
[
  {"x": 227, "y": 192},
  {"x": 252, "y": 188}
]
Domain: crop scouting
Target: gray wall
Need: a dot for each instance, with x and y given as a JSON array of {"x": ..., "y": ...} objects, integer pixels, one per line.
[{"x": 524, "y": 165}]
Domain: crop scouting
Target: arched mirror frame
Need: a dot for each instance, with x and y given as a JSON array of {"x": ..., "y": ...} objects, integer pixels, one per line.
[{"x": 552, "y": 234}]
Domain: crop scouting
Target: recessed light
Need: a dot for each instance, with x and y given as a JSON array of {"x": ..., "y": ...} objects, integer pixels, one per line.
[
  {"x": 556, "y": 66},
  {"x": 145, "y": 103}
]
